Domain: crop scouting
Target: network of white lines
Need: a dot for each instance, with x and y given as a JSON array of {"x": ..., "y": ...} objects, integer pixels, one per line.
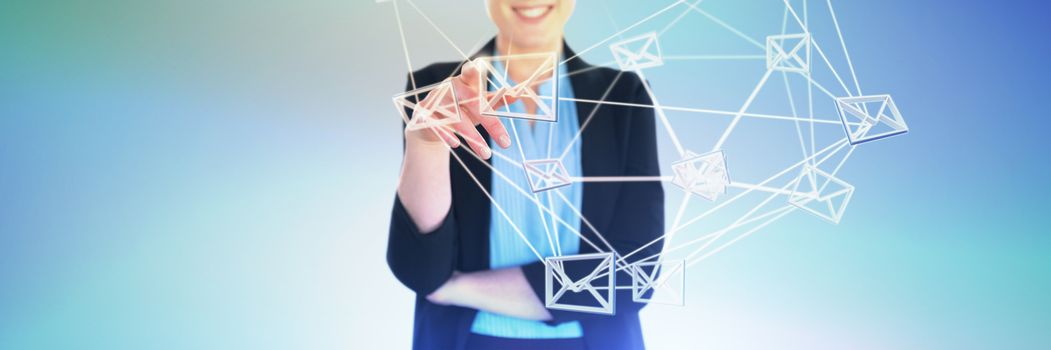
[{"x": 812, "y": 186}]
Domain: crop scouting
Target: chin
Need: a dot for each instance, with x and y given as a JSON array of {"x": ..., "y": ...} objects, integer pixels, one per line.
[{"x": 536, "y": 41}]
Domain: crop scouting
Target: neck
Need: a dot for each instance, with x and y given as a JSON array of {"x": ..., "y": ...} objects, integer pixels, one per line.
[{"x": 522, "y": 68}]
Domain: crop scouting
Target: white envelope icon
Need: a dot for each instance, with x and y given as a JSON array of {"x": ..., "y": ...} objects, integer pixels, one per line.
[
  {"x": 704, "y": 175},
  {"x": 821, "y": 194},
  {"x": 797, "y": 59},
  {"x": 667, "y": 280},
  {"x": 870, "y": 118},
  {"x": 505, "y": 92},
  {"x": 439, "y": 108},
  {"x": 546, "y": 174},
  {"x": 594, "y": 291},
  {"x": 643, "y": 51}
]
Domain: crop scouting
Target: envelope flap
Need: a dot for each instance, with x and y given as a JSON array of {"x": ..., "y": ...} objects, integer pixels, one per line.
[
  {"x": 586, "y": 288},
  {"x": 821, "y": 194}
]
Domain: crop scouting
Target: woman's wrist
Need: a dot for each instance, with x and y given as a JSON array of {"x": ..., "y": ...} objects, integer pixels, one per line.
[
  {"x": 420, "y": 144},
  {"x": 424, "y": 187}
]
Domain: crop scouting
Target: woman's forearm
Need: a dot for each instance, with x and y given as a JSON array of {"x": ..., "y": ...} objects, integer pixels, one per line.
[
  {"x": 502, "y": 291},
  {"x": 424, "y": 187}
]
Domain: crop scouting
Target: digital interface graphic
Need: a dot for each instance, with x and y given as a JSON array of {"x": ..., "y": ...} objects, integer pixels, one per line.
[
  {"x": 203, "y": 175},
  {"x": 826, "y": 110}
]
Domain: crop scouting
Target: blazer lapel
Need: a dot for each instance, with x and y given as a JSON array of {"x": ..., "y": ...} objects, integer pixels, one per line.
[{"x": 596, "y": 158}]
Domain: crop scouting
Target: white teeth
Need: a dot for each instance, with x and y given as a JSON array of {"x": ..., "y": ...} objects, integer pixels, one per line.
[{"x": 532, "y": 12}]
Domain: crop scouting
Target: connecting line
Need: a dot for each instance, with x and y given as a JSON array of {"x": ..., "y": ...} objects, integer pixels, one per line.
[
  {"x": 491, "y": 199},
  {"x": 537, "y": 203},
  {"x": 788, "y": 91},
  {"x": 588, "y": 69},
  {"x": 843, "y": 161},
  {"x": 519, "y": 189},
  {"x": 550, "y": 240},
  {"x": 838, "y": 167},
  {"x": 818, "y": 48},
  {"x": 806, "y": 15},
  {"x": 620, "y": 178},
  {"x": 677, "y": 19},
  {"x": 437, "y": 29},
  {"x": 609, "y": 16},
  {"x": 588, "y": 224},
  {"x": 554, "y": 228},
  {"x": 446, "y": 37},
  {"x": 507, "y": 159},
  {"x": 476, "y": 143},
  {"x": 605, "y": 287},
  {"x": 440, "y": 32},
  {"x": 767, "y": 189},
  {"x": 738, "y": 238},
  {"x": 819, "y": 86},
  {"x": 844, "y": 45},
  {"x": 474, "y": 48},
  {"x": 838, "y": 144},
  {"x": 810, "y": 86},
  {"x": 738, "y": 222},
  {"x": 569, "y": 145},
  {"x": 740, "y": 113},
  {"x": 810, "y": 111},
  {"x": 678, "y": 215},
  {"x": 653, "y": 98},
  {"x": 404, "y": 45},
  {"x": 824, "y": 57},
  {"x": 543, "y": 219},
  {"x": 712, "y": 57},
  {"x": 617, "y": 34},
  {"x": 708, "y": 111},
  {"x": 709, "y": 236},
  {"x": 796, "y": 17},
  {"x": 830, "y": 154},
  {"x": 792, "y": 104},
  {"x": 449, "y": 41},
  {"x": 727, "y": 26},
  {"x": 526, "y": 195},
  {"x": 550, "y": 138}
]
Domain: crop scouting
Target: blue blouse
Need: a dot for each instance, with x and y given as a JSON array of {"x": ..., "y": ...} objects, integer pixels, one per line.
[{"x": 543, "y": 140}]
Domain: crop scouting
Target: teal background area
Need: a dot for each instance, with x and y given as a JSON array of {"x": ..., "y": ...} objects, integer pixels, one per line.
[{"x": 196, "y": 174}]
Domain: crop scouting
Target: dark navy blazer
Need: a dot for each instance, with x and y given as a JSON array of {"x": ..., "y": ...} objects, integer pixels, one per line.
[{"x": 616, "y": 141}]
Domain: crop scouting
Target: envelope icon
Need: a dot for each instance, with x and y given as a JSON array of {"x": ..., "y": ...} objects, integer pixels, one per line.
[
  {"x": 666, "y": 280},
  {"x": 546, "y": 174},
  {"x": 439, "y": 106},
  {"x": 788, "y": 52},
  {"x": 505, "y": 91},
  {"x": 704, "y": 175},
  {"x": 643, "y": 51},
  {"x": 870, "y": 118},
  {"x": 584, "y": 283},
  {"x": 821, "y": 194}
]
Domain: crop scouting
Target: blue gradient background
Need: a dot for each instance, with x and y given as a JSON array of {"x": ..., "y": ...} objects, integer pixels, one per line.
[{"x": 196, "y": 174}]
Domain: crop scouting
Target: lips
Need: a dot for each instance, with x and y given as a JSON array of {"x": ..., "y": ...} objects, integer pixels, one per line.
[{"x": 532, "y": 13}]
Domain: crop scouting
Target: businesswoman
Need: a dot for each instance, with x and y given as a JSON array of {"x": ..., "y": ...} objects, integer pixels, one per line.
[{"x": 478, "y": 285}]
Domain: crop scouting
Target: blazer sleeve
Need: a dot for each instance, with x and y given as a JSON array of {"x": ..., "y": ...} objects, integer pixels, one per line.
[
  {"x": 638, "y": 217},
  {"x": 422, "y": 261}
]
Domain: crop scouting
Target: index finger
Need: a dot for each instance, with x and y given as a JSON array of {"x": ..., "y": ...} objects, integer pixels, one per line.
[
  {"x": 470, "y": 72},
  {"x": 496, "y": 130}
]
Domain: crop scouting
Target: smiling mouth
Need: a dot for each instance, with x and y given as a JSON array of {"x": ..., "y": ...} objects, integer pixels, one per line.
[{"x": 533, "y": 13}]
